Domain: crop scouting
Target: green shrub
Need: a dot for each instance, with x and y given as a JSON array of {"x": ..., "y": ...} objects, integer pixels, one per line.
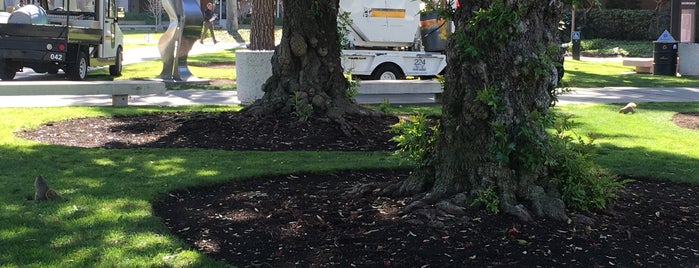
[
  {"x": 416, "y": 138},
  {"x": 489, "y": 198},
  {"x": 620, "y": 24},
  {"x": 302, "y": 109},
  {"x": 583, "y": 184},
  {"x": 610, "y": 48},
  {"x": 352, "y": 86}
]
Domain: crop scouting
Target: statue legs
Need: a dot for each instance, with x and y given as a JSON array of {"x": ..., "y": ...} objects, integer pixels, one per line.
[{"x": 174, "y": 45}]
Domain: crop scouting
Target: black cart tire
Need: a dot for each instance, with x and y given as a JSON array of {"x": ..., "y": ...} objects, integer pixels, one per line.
[
  {"x": 115, "y": 70},
  {"x": 387, "y": 72},
  {"x": 6, "y": 72},
  {"x": 77, "y": 71}
]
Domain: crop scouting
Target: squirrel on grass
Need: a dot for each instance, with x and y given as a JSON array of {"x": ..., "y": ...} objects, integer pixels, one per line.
[
  {"x": 629, "y": 108},
  {"x": 43, "y": 192}
]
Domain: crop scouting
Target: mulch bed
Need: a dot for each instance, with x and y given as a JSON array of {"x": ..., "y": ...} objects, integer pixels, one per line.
[{"x": 309, "y": 220}]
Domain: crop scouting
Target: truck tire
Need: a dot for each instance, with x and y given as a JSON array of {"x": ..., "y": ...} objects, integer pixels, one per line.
[
  {"x": 387, "y": 72},
  {"x": 77, "y": 71},
  {"x": 6, "y": 74},
  {"x": 115, "y": 70}
]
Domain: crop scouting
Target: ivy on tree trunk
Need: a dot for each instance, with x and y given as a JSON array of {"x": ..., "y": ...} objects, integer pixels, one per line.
[{"x": 499, "y": 83}]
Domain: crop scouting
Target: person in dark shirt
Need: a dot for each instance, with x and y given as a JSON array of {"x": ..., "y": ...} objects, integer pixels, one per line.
[{"x": 209, "y": 17}]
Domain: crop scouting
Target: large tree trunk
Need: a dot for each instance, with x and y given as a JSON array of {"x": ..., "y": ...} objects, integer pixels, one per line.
[
  {"x": 500, "y": 77},
  {"x": 262, "y": 26},
  {"x": 307, "y": 77}
]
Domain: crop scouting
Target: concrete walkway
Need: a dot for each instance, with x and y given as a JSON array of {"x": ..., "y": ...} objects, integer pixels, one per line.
[
  {"x": 217, "y": 97},
  {"x": 630, "y": 94}
]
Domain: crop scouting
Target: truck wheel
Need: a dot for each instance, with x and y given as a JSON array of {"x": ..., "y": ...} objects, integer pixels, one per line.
[
  {"x": 6, "y": 73},
  {"x": 387, "y": 72},
  {"x": 115, "y": 70},
  {"x": 77, "y": 71}
]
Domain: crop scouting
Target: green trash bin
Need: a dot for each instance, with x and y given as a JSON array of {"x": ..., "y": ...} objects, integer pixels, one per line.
[{"x": 664, "y": 58}]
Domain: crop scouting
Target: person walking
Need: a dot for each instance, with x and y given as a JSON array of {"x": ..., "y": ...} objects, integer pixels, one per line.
[{"x": 209, "y": 17}]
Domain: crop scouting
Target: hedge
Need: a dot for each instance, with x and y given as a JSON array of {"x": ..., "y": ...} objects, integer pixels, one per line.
[{"x": 619, "y": 24}]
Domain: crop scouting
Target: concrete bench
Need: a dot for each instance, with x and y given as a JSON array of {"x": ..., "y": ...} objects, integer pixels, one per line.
[
  {"x": 399, "y": 90},
  {"x": 642, "y": 66},
  {"x": 399, "y": 86},
  {"x": 119, "y": 90}
]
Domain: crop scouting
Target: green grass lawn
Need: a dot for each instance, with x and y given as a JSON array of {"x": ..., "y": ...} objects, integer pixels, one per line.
[
  {"x": 106, "y": 218},
  {"x": 590, "y": 74},
  {"x": 646, "y": 144},
  {"x": 201, "y": 65},
  {"x": 217, "y": 65}
]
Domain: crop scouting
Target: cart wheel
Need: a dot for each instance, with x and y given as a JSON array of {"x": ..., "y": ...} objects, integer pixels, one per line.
[
  {"x": 77, "y": 71},
  {"x": 6, "y": 73},
  {"x": 387, "y": 72},
  {"x": 115, "y": 70}
]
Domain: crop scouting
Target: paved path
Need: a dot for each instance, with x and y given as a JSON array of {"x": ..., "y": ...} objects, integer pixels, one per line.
[
  {"x": 217, "y": 97},
  {"x": 630, "y": 94}
]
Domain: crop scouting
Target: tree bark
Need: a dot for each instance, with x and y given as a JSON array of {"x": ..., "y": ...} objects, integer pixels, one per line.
[
  {"x": 307, "y": 77},
  {"x": 262, "y": 25},
  {"x": 499, "y": 76}
]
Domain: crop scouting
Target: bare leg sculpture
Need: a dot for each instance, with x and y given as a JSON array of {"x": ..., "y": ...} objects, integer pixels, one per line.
[{"x": 174, "y": 45}]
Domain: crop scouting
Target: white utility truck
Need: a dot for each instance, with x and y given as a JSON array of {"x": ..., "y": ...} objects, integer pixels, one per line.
[
  {"x": 388, "y": 40},
  {"x": 48, "y": 35}
]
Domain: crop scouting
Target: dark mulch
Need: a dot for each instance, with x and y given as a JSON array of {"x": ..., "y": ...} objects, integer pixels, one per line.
[
  {"x": 309, "y": 220},
  {"x": 224, "y": 131}
]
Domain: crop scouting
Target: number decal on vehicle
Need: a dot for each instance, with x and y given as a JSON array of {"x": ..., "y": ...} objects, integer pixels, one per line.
[
  {"x": 56, "y": 56},
  {"x": 419, "y": 65}
]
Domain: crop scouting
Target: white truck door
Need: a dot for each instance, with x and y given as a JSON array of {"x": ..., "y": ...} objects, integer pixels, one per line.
[{"x": 111, "y": 34}]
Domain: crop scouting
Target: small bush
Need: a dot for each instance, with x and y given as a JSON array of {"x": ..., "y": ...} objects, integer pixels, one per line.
[
  {"x": 302, "y": 109},
  {"x": 488, "y": 197},
  {"x": 352, "y": 86},
  {"x": 583, "y": 184},
  {"x": 416, "y": 138}
]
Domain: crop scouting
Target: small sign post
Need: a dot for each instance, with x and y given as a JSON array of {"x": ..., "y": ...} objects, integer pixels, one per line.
[{"x": 576, "y": 45}]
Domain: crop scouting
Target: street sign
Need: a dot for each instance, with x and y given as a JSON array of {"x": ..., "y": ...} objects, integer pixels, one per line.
[{"x": 576, "y": 35}]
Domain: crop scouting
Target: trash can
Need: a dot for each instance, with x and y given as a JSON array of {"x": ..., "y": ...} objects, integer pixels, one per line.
[
  {"x": 434, "y": 32},
  {"x": 664, "y": 58}
]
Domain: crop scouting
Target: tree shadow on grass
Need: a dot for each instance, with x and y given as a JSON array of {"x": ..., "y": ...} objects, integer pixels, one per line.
[
  {"x": 237, "y": 37},
  {"x": 662, "y": 166}
]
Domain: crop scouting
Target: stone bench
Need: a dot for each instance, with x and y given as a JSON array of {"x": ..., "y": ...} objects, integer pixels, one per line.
[
  {"x": 399, "y": 87},
  {"x": 407, "y": 91},
  {"x": 642, "y": 66},
  {"x": 119, "y": 90}
]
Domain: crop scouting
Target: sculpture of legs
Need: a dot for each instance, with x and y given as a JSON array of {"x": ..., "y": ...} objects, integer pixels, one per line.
[{"x": 174, "y": 45}]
